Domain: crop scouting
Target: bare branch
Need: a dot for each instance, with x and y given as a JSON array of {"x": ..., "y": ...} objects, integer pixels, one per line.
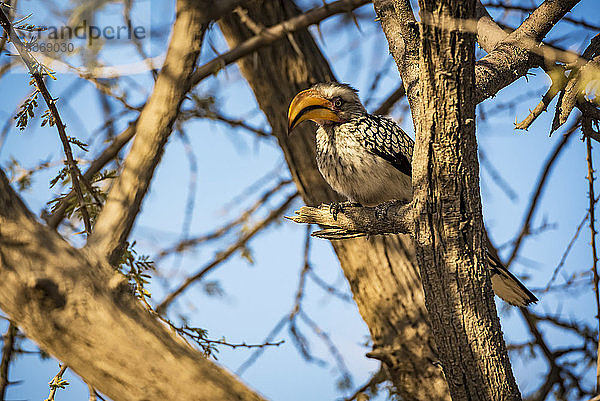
[
  {"x": 45, "y": 286},
  {"x": 219, "y": 232},
  {"x": 496, "y": 176},
  {"x": 587, "y": 126},
  {"x": 153, "y": 128},
  {"x": 274, "y": 33},
  {"x": 559, "y": 80},
  {"x": 7, "y": 355},
  {"x": 222, "y": 256},
  {"x": 567, "y": 250},
  {"x": 545, "y": 172},
  {"x": 36, "y": 71},
  {"x": 388, "y": 218},
  {"x": 511, "y": 58}
]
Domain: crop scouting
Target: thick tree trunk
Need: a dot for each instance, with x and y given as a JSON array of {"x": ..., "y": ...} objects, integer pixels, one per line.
[
  {"x": 381, "y": 271},
  {"x": 448, "y": 226}
]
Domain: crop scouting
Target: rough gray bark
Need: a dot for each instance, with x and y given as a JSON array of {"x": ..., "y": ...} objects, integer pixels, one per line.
[
  {"x": 509, "y": 56},
  {"x": 448, "y": 221},
  {"x": 381, "y": 271},
  {"x": 78, "y": 309},
  {"x": 153, "y": 128}
]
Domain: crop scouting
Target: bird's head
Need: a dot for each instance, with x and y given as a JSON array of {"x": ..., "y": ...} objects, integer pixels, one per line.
[{"x": 326, "y": 104}]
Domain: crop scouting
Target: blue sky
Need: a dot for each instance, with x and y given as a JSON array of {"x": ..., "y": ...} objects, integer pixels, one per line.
[{"x": 257, "y": 295}]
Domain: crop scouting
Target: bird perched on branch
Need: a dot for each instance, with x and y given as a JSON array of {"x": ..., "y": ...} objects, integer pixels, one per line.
[{"x": 367, "y": 158}]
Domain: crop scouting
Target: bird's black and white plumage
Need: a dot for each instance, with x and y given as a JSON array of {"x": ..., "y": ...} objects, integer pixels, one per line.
[{"x": 367, "y": 158}]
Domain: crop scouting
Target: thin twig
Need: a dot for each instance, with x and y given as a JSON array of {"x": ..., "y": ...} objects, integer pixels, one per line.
[
  {"x": 55, "y": 383},
  {"x": 105, "y": 89},
  {"x": 545, "y": 172},
  {"x": 559, "y": 80},
  {"x": 274, "y": 33},
  {"x": 92, "y": 393},
  {"x": 288, "y": 318},
  {"x": 329, "y": 288},
  {"x": 377, "y": 378},
  {"x": 587, "y": 126},
  {"x": 333, "y": 349},
  {"x": 567, "y": 251},
  {"x": 37, "y": 72},
  {"x": 221, "y": 231},
  {"x": 497, "y": 177},
  {"x": 106, "y": 156},
  {"x": 7, "y": 355},
  {"x": 222, "y": 256},
  {"x": 391, "y": 100},
  {"x": 192, "y": 185},
  {"x": 258, "y": 352}
]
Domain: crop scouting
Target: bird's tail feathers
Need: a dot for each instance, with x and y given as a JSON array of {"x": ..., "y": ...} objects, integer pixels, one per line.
[{"x": 507, "y": 286}]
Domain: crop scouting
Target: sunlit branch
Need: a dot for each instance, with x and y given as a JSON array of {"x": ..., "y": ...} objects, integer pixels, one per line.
[
  {"x": 559, "y": 80},
  {"x": 527, "y": 10},
  {"x": 153, "y": 128},
  {"x": 388, "y": 218}
]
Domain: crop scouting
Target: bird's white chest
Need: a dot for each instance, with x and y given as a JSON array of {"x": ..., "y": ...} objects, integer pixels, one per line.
[{"x": 352, "y": 171}]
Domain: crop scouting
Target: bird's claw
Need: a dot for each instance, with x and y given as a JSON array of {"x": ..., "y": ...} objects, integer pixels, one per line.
[
  {"x": 381, "y": 210},
  {"x": 336, "y": 207}
]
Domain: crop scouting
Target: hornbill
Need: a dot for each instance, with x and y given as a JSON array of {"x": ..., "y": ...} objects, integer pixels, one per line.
[{"x": 367, "y": 158}]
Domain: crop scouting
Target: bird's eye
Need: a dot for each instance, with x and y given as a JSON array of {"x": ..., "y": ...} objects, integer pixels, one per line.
[{"x": 337, "y": 102}]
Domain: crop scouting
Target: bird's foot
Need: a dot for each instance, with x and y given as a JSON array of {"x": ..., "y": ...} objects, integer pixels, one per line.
[
  {"x": 336, "y": 207},
  {"x": 381, "y": 210}
]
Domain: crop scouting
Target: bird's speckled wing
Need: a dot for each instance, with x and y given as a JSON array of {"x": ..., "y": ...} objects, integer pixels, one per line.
[{"x": 386, "y": 139}]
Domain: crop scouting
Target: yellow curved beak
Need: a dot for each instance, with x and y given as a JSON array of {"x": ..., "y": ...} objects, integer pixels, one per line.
[{"x": 308, "y": 105}]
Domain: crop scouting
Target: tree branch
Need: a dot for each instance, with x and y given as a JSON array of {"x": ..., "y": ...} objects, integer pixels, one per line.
[
  {"x": 274, "y": 33},
  {"x": 153, "y": 128},
  {"x": 108, "y": 154},
  {"x": 78, "y": 309},
  {"x": 511, "y": 58},
  {"x": 222, "y": 256},
  {"x": 388, "y": 218},
  {"x": 36, "y": 70},
  {"x": 7, "y": 356},
  {"x": 544, "y": 173}
]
